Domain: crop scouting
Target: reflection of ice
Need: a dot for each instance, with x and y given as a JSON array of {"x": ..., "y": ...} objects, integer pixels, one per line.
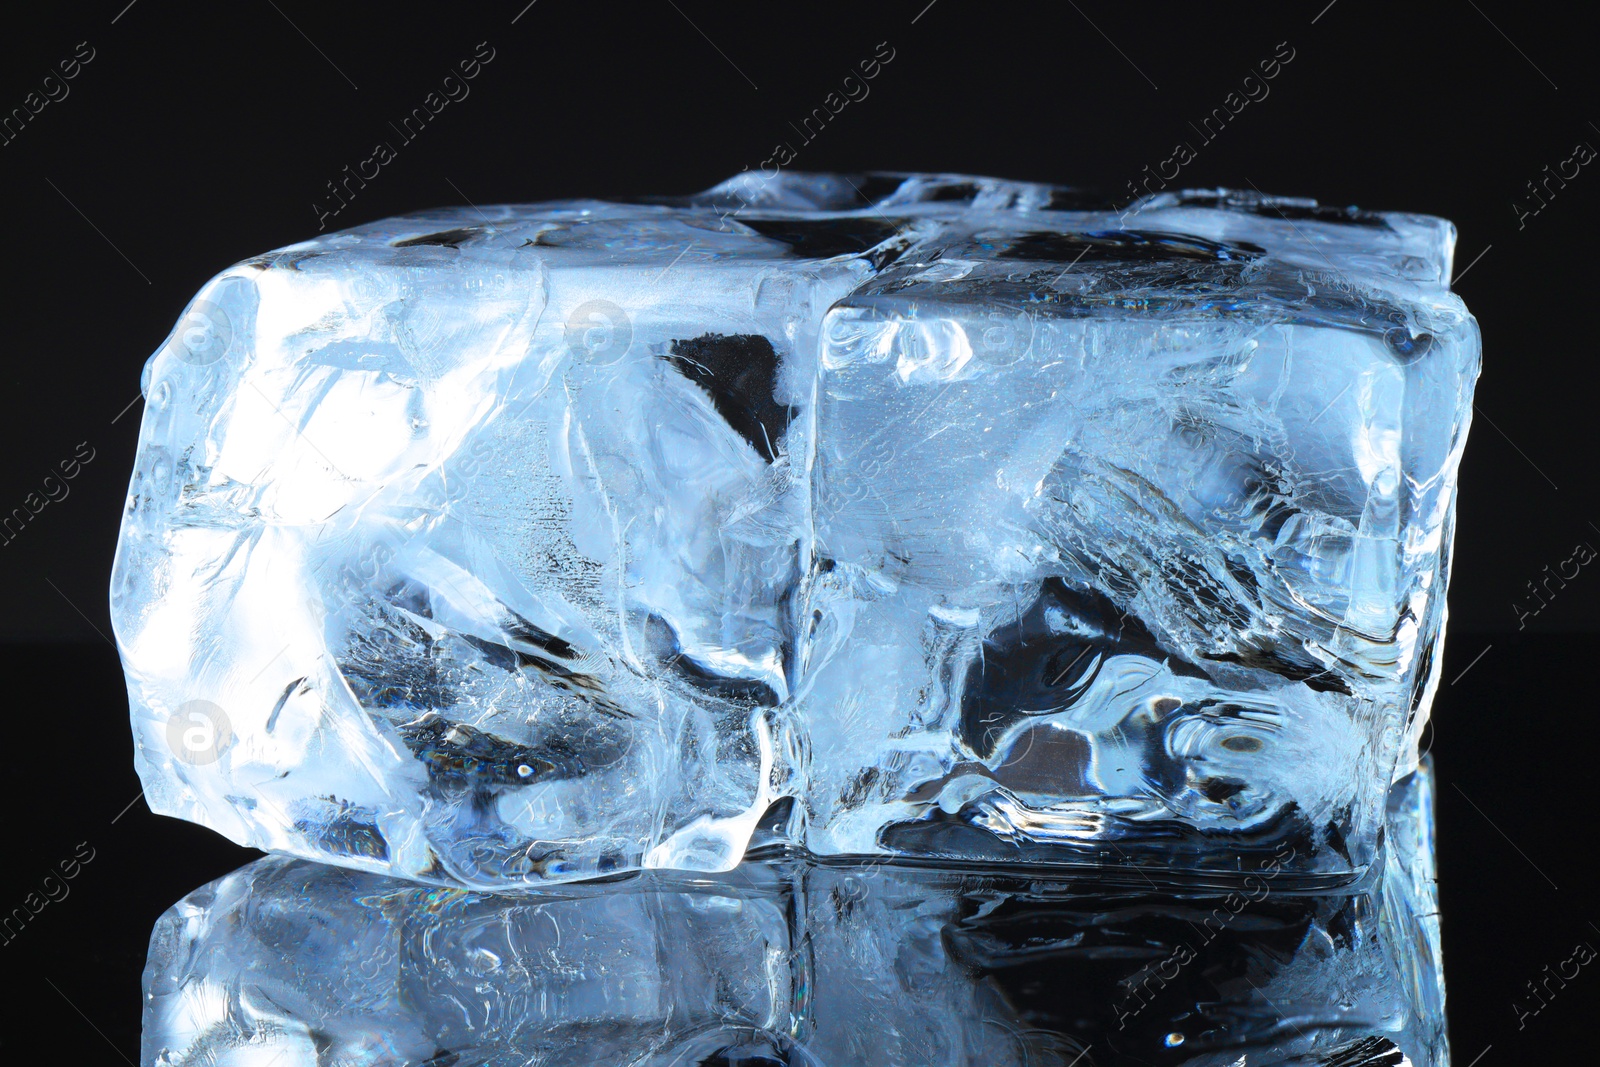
[
  {"x": 785, "y": 963},
  {"x": 552, "y": 541}
]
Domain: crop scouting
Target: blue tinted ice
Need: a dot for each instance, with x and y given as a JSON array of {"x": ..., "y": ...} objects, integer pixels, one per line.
[
  {"x": 932, "y": 516},
  {"x": 295, "y": 964}
]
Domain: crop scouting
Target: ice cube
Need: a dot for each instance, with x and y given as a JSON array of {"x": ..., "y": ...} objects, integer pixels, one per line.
[
  {"x": 924, "y": 516},
  {"x": 1133, "y": 540},
  {"x": 800, "y": 964}
]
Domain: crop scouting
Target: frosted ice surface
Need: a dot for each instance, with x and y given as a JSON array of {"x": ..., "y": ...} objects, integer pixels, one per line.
[
  {"x": 298, "y": 964},
  {"x": 920, "y": 515}
]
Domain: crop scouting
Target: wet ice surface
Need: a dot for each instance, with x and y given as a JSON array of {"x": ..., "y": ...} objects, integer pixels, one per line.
[
  {"x": 298, "y": 964},
  {"x": 935, "y": 516}
]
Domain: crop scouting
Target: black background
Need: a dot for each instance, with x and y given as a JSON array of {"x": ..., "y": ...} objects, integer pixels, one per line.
[{"x": 200, "y": 134}]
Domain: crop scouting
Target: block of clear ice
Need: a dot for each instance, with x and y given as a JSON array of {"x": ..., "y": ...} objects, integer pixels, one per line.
[
  {"x": 297, "y": 964},
  {"x": 923, "y": 516}
]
